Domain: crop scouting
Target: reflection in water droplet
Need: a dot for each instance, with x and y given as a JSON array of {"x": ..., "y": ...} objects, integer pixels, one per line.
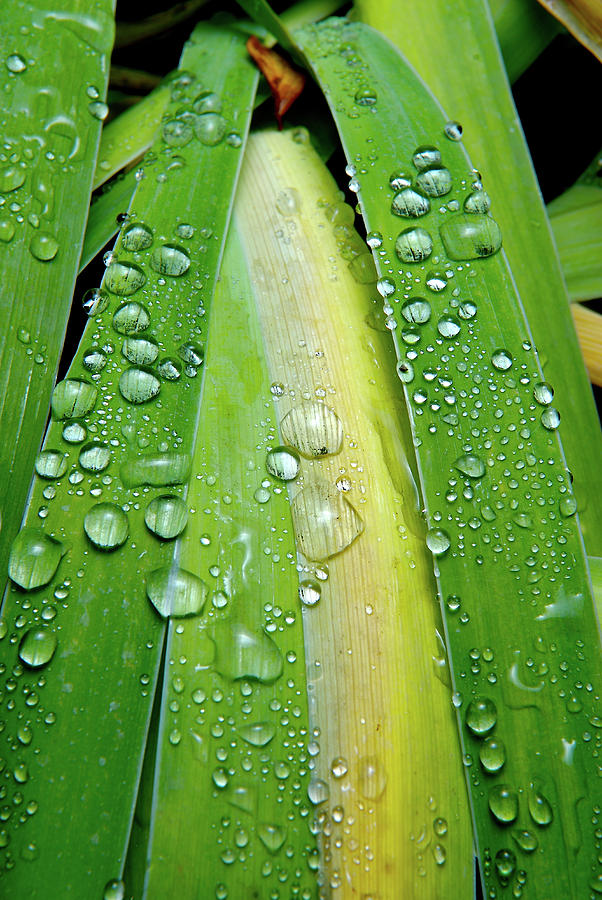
[
  {"x": 74, "y": 432},
  {"x": 410, "y": 204},
  {"x": 503, "y": 803},
  {"x": 73, "y": 398},
  {"x": 94, "y": 360},
  {"x": 272, "y": 836},
  {"x": 98, "y": 110},
  {"x": 440, "y": 827},
  {"x": 453, "y": 131},
  {"x": 492, "y": 754},
  {"x": 95, "y": 301},
  {"x": 34, "y": 558},
  {"x": 16, "y": 64},
  {"x": 170, "y": 259},
  {"x": 540, "y": 808},
  {"x": 526, "y": 840},
  {"x": 426, "y": 156},
  {"x": 313, "y": 429},
  {"x": 140, "y": 350},
  {"x": 318, "y": 791},
  {"x": 416, "y": 310},
  {"x": 192, "y": 353},
  {"x": 114, "y": 890},
  {"x": 139, "y": 385},
  {"x": 156, "y": 470},
  {"x": 413, "y": 245},
  {"x": 242, "y": 653},
  {"x": 107, "y": 526},
  {"x": 51, "y": 464},
  {"x": 505, "y": 864},
  {"x": 169, "y": 369},
  {"x": 288, "y": 202},
  {"x": 324, "y": 520},
  {"x": 123, "y": 279},
  {"x": 37, "y": 647},
  {"x": 309, "y": 592},
  {"x": 166, "y": 516},
  {"x": 44, "y": 246},
  {"x": 470, "y": 465},
  {"x": 481, "y": 716},
  {"x": 477, "y": 202},
  {"x": 550, "y": 418},
  {"x": 131, "y": 318},
  {"x": 94, "y": 457},
  {"x": 448, "y": 327},
  {"x": 283, "y": 463},
  {"x": 438, "y": 541},
  {"x": 435, "y": 181},
  {"x": 259, "y": 734},
  {"x": 176, "y": 592},
  {"x": 501, "y": 360},
  {"x": 177, "y": 132},
  {"x": 543, "y": 393},
  {"x": 471, "y": 236},
  {"x": 374, "y": 239},
  {"x": 210, "y": 128},
  {"x": 137, "y": 237}
]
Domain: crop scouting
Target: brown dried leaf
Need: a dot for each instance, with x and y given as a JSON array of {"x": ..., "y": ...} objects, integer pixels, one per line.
[
  {"x": 286, "y": 82},
  {"x": 583, "y": 18}
]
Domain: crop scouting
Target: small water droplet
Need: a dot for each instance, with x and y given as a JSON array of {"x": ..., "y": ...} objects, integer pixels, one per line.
[
  {"x": 410, "y": 204},
  {"x": 435, "y": 181},
  {"x": 123, "y": 279},
  {"x": 471, "y": 236},
  {"x": 166, "y": 516},
  {"x": 477, "y": 202},
  {"x": 438, "y": 541},
  {"x": 505, "y": 864},
  {"x": 426, "y": 156},
  {"x": 313, "y": 429},
  {"x": 288, "y": 202},
  {"x": 137, "y": 236},
  {"x": 176, "y": 592},
  {"x": 169, "y": 369},
  {"x": 107, "y": 526},
  {"x": 540, "y": 808},
  {"x": 440, "y": 827},
  {"x": 34, "y": 558},
  {"x": 470, "y": 465},
  {"x": 339, "y": 767},
  {"x": 318, "y": 791},
  {"x": 448, "y": 327},
  {"x": 492, "y": 754},
  {"x": 309, "y": 592},
  {"x": 413, "y": 245},
  {"x": 416, "y": 311},
  {"x": 94, "y": 360},
  {"x": 503, "y": 803},
  {"x": 543, "y": 393},
  {"x": 98, "y": 110},
  {"x": 114, "y": 890},
  {"x": 37, "y": 647},
  {"x": 138, "y": 385},
  {"x": 526, "y": 840},
  {"x": 365, "y": 97},
  {"x": 453, "y": 131},
  {"x": 325, "y": 522},
  {"x": 374, "y": 239},
  {"x": 16, "y": 64},
  {"x": 74, "y": 432},
  {"x": 192, "y": 353},
  {"x": 44, "y": 246},
  {"x": 169, "y": 259}
]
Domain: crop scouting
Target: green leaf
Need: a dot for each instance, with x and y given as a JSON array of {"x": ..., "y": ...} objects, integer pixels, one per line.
[
  {"x": 523, "y": 30},
  {"x": 51, "y": 130},
  {"x": 110, "y": 497},
  {"x": 103, "y": 224},
  {"x": 500, "y": 510}
]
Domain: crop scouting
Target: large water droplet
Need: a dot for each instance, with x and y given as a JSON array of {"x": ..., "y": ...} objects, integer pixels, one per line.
[
  {"x": 471, "y": 236},
  {"x": 453, "y": 131},
  {"x": 540, "y": 808},
  {"x": 258, "y": 734},
  {"x": 543, "y": 393},
  {"x": 156, "y": 470},
  {"x": 417, "y": 311},
  {"x": 74, "y": 432},
  {"x": 139, "y": 385},
  {"x": 177, "y": 132},
  {"x": 492, "y": 754},
  {"x": 107, "y": 526},
  {"x": 169, "y": 369},
  {"x": 73, "y": 398},
  {"x": 242, "y": 653},
  {"x": 176, "y": 592},
  {"x": 503, "y": 803},
  {"x": 166, "y": 516},
  {"x": 477, "y": 202},
  {"x": 98, "y": 110},
  {"x": 372, "y": 778},
  {"x": 470, "y": 465},
  {"x": 44, "y": 246},
  {"x": 413, "y": 245},
  {"x": 283, "y": 463},
  {"x": 169, "y": 259},
  {"x": 94, "y": 457},
  {"x": 16, "y": 64},
  {"x": 94, "y": 360},
  {"x": 481, "y": 716},
  {"x": 51, "y": 464},
  {"x": 448, "y": 327},
  {"x": 123, "y": 278},
  {"x": 131, "y": 318},
  {"x": 314, "y": 429},
  {"x": 7, "y": 231},
  {"x": 435, "y": 181},
  {"x": 505, "y": 864},
  {"x": 501, "y": 360},
  {"x": 325, "y": 522},
  {"x": 192, "y": 353},
  {"x": 114, "y": 890},
  {"x": 95, "y": 301},
  {"x": 318, "y": 791},
  {"x": 550, "y": 418},
  {"x": 309, "y": 592},
  {"x": 140, "y": 351},
  {"x": 210, "y": 128},
  {"x": 34, "y": 558},
  {"x": 438, "y": 541},
  {"x": 137, "y": 237},
  {"x": 272, "y": 836},
  {"x": 410, "y": 204},
  {"x": 426, "y": 156},
  {"x": 526, "y": 840},
  {"x": 37, "y": 647}
]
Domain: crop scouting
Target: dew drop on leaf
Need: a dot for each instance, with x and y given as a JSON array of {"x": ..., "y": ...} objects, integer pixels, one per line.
[
  {"x": 37, "y": 647},
  {"x": 107, "y": 526},
  {"x": 34, "y": 558}
]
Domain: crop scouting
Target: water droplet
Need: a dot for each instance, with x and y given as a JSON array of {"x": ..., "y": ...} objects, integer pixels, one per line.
[
  {"x": 503, "y": 803},
  {"x": 73, "y": 398},
  {"x": 34, "y": 558},
  {"x": 95, "y": 301},
  {"x": 410, "y": 204},
  {"x": 37, "y": 647},
  {"x": 156, "y": 470},
  {"x": 374, "y": 239},
  {"x": 123, "y": 279},
  {"x": 550, "y": 418},
  {"x": 505, "y": 864},
  {"x": 258, "y": 734},
  {"x": 471, "y": 236},
  {"x": 313, "y": 429},
  {"x": 169, "y": 259},
  {"x": 543, "y": 393},
  {"x": 140, "y": 351},
  {"x": 481, "y": 716},
  {"x": 339, "y": 767},
  {"x": 439, "y": 854},
  {"x": 94, "y": 360},
  {"x": 568, "y": 505},
  {"x": 413, "y": 245},
  {"x": 44, "y": 246},
  {"x": 467, "y": 309},
  {"x": 470, "y": 465},
  {"x": 16, "y": 64},
  {"x": 51, "y": 464},
  {"x": 74, "y": 432},
  {"x": 438, "y": 541},
  {"x": 385, "y": 287},
  {"x": 477, "y": 202},
  {"x": 325, "y": 522},
  {"x": 417, "y": 311},
  {"x": 318, "y": 791},
  {"x": 139, "y": 385},
  {"x": 372, "y": 778},
  {"x": 448, "y": 327},
  {"x": 426, "y": 156},
  {"x": 169, "y": 369},
  {"x": 166, "y": 516},
  {"x": 436, "y": 281},
  {"x": 492, "y": 754},
  {"x": 405, "y": 371},
  {"x": 106, "y": 525},
  {"x": 283, "y": 463},
  {"x": 7, "y": 231},
  {"x": 540, "y": 808},
  {"x": 192, "y": 354},
  {"x": 526, "y": 840},
  {"x": 94, "y": 457},
  {"x": 288, "y": 202},
  {"x": 435, "y": 181},
  {"x": 453, "y": 131},
  {"x": 137, "y": 237},
  {"x": 365, "y": 97},
  {"x": 309, "y": 592},
  {"x": 210, "y": 128},
  {"x": 177, "y": 132},
  {"x": 98, "y": 110},
  {"x": 272, "y": 836},
  {"x": 176, "y": 592},
  {"x": 501, "y": 360},
  {"x": 440, "y": 827},
  {"x": 114, "y": 890}
]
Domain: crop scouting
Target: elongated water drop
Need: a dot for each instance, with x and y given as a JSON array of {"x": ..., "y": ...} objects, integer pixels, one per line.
[
  {"x": 283, "y": 463},
  {"x": 492, "y": 754},
  {"x": 309, "y": 592},
  {"x": 34, "y": 558},
  {"x": 176, "y": 592},
  {"x": 505, "y": 864},
  {"x": 243, "y": 653},
  {"x": 550, "y": 418},
  {"x": 170, "y": 260},
  {"x": 73, "y": 398},
  {"x": 37, "y": 647},
  {"x": 107, "y": 526},
  {"x": 453, "y": 131},
  {"x": 543, "y": 393},
  {"x": 503, "y": 803},
  {"x": 192, "y": 353},
  {"x": 471, "y": 236},
  {"x": 325, "y": 522},
  {"x": 51, "y": 464},
  {"x": 166, "y": 516},
  {"x": 526, "y": 840},
  {"x": 540, "y": 808},
  {"x": 372, "y": 778},
  {"x": 156, "y": 470},
  {"x": 313, "y": 429},
  {"x": 258, "y": 734},
  {"x": 123, "y": 278}
]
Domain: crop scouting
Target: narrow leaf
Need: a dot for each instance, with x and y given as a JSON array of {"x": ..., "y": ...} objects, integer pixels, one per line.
[
  {"x": 583, "y": 18},
  {"x": 104, "y": 216}
]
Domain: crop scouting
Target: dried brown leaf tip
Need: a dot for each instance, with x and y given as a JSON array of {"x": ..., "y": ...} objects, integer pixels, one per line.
[{"x": 286, "y": 82}]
